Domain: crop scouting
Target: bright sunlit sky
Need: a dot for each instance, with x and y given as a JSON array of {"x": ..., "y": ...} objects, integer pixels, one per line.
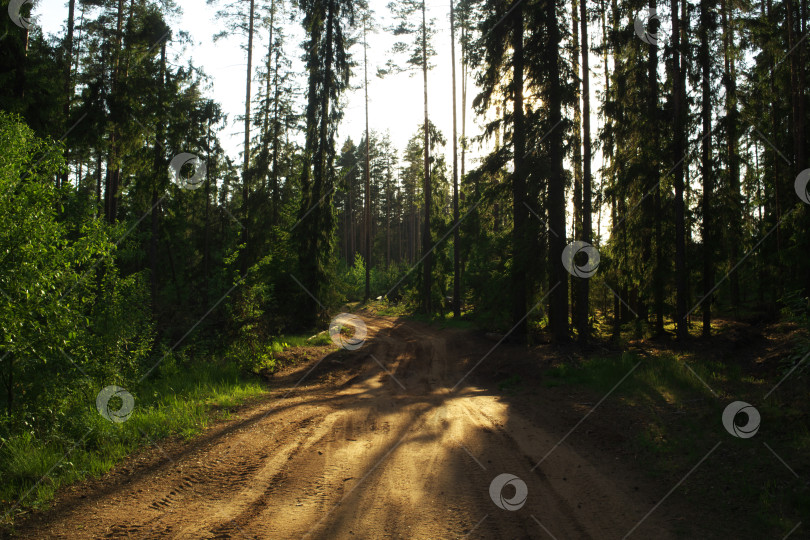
[{"x": 395, "y": 103}]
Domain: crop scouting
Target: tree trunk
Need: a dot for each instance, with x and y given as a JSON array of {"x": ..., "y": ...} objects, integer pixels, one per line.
[
  {"x": 68, "y": 80},
  {"x": 732, "y": 152},
  {"x": 558, "y": 314},
  {"x": 795, "y": 97},
  {"x": 456, "y": 240},
  {"x": 246, "y": 149},
  {"x": 274, "y": 183},
  {"x": 319, "y": 189},
  {"x": 268, "y": 135},
  {"x": 426, "y": 245},
  {"x": 99, "y": 181},
  {"x": 519, "y": 190},
  {"x": 705, "y": 168},
  {"x": 587, "y": 225},
  {"x": 367, "y": 217},
  {"x": 388, "y": 215},
  {"x": 308, "y": 195},
  {"x": 464, "y": 22},
  {"x": 655, "y": 180},
  {"x": 678, "y": 152},
  {"x": 113, "y": 166},
  {"x": 207, "y": 234},
  {"x": 159, "y": 172},
  {"x": 577, "y": 158}
]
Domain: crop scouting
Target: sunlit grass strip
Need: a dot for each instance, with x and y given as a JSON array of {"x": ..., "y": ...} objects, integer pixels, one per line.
[{"x": 179, "y": 405}]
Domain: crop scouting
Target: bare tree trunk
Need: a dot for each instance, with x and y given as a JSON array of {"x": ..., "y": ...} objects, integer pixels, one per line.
[
  {"x": 388, "y": 216},
  {"x": 678, "y": 151},
  {"x": 558, "y": 313},
  {"x": 246, "y": 156},
  {"x": 98, "y": 182},
  {"x": 348, "y": 219},
  {"x": 587, "y": 225},
  {"x": 367, "y": 218},
  {"x": 705, "y": 168},
  {"x": 519, "y": 189},
  {"x": 456, "y": 241},
  {"x": 207, "y": 235},
  {"x": 801, "y": 127},
  {"x": 426, "y": 242},
  {"x": 274, "y": 183},
  {"x": 801, "y": 157},
  {"x": 577, "y": 158},
  {"x": 795, "y": 97},
  {"x": 113, "y": 166},
  {"x": 266, "y": 174},
  {"x": 159, "y": 171},
  {"x": 732, "y": 146},
  {"x": 68, "y": 80},
  {"x": 654, "y": 179},
  {"x": 464, "y": 23}
]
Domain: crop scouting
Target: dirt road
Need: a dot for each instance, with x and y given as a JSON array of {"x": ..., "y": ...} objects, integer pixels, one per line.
[{"x": 373, "y": 443}]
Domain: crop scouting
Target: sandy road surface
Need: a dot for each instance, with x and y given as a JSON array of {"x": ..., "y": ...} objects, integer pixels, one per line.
[{"x": 353, "y": 452}]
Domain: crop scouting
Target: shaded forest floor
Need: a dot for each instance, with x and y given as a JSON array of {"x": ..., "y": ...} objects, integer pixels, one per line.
[
  {"x": 667, "y": 415},
  {"x": 375, "y": 443},
  {"x": 666, "y": 418}
]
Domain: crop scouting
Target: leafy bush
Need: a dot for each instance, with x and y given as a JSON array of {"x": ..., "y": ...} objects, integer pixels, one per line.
[{"x": 71, "y": 322}]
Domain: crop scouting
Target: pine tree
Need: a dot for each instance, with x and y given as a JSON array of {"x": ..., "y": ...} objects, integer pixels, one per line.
[
  {"x": 411, "y": 17},
  {"x": 678, "y": 149},
  {"x": 328, "y": 66}
]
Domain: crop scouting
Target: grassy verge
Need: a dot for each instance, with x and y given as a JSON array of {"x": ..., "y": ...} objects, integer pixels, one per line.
[
  {"x": 751, "y": 486},
  {"x": 387, "y": 309},
  {"x": 180, "y": 400}
]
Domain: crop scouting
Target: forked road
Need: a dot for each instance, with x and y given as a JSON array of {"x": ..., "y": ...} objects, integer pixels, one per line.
[{"x": 372, "y": 444}]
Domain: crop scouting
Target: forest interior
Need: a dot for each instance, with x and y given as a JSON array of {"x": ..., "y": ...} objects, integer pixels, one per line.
[{"x": 447, "y": 269}]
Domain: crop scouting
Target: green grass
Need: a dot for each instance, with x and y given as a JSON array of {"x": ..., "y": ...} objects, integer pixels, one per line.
[
  {"x": 662, "y": 378},
  {"x": 178, "y": 403},
  {"x": 285, "y": 342},
  {"x": 179, "y": 399},
  {"x": 386, "y": 308},
  {"x": 677, "y": 419},
  {"x": 405, "y": 311}
]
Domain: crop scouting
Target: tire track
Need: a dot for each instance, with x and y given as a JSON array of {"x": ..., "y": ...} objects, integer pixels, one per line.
[{"x": 350, "y": 454}]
